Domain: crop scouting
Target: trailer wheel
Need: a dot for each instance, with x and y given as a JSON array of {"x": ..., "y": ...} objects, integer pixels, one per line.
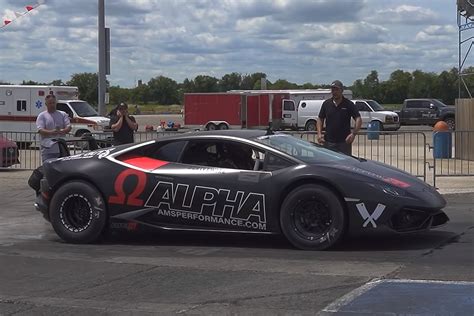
[
  {"x": 223, "y": 126},
  {"x": 310, "y": 126},
  {"x": 211, "y": 127}
]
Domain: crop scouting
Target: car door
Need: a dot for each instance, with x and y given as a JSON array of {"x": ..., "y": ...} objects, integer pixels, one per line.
[
  {"x": 65, "y": 108},
  {"x": 365, "y": 113},
  {"x": 289, "y": 113},
  {"x": 431, "y": 112},
  {"x": 412, "y": 112},
  {"x": 214, "y": 187}
]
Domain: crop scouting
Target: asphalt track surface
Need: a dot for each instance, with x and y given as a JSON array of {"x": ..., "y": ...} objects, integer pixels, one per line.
[{"x": 215, "y": 274}]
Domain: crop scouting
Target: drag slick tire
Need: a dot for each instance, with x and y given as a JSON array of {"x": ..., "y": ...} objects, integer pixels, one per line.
[
  {"x": 312, "y": 217},
  {"x": 77, "y": 212}
]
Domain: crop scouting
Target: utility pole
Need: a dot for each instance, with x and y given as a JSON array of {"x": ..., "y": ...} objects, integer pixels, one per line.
[{"x": 102, "y": 58}]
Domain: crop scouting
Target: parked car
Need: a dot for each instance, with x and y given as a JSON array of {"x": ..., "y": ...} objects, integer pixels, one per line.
[
  {"x": 372, "y": 111},
  {"x": 234, "y": 181},
  {"x": 9, "y": 154},
  {"x": 426, "y": 112}
]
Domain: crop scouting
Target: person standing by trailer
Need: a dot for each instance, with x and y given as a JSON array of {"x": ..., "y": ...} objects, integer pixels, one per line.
[
  {"x": 52, "y": 124},
  {"x": 337, "y": 112},
  {"x": 123, "y": 125}
]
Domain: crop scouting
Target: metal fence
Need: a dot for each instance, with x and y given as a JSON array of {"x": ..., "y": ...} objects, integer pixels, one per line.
[
  {"x": 403, "y": 150},
  {"x": 416, "y": 152}
]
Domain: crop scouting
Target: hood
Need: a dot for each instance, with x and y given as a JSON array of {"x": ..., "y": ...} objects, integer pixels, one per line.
[
  {"x": 449, "y": 108},
  {"x": 100, "y": 120},
  {"x": 391, "y": 113},
  {"x": 377, "y": 171}
]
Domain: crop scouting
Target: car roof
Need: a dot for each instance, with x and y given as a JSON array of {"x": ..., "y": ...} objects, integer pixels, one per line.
[{"x": 244, "y": 133}]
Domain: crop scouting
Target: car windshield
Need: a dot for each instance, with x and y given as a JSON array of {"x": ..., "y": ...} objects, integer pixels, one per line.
[
  {"x": 375, "y": 105},
  {"x": 301, "y": 149},
  {"x": 84, "y": 109},
  {"x": 438, "y": 103}
]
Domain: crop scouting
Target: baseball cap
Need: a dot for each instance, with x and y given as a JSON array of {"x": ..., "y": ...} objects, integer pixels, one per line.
[
  {"x": 337, "y": 84},
  {"x": 123, "y": 105}
]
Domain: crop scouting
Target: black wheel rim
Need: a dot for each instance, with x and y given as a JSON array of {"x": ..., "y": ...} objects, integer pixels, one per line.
[
  {"x": 76, "y": 213},
  {"x": 312, "y": 218}
]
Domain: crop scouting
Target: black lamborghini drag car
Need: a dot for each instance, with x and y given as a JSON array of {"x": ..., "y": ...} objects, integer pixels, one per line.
[{"x": 245, "y": 181}]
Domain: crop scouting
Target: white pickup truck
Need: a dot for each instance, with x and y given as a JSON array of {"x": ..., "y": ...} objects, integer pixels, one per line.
[{"x": 371, "y": 111}]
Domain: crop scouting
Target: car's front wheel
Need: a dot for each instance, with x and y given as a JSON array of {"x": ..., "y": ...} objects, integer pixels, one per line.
[
  {"x": 77, "y": 212},
  {"x": 312, "y": 217}
]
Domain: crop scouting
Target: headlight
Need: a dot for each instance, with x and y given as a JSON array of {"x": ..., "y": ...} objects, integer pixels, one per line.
[
  {"x": 388, "y": 189},
  {"x": 388, "y": 119}
]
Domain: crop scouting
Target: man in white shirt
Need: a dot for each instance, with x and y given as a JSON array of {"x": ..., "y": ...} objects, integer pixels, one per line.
[{"x": 51, "y": 125}]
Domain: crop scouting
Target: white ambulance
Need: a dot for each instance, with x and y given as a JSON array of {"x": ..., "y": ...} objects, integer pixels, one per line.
[{"x": 20, "y": 106}]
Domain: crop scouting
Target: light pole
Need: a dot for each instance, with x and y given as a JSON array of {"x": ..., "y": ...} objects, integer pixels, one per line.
[{"x": 102, "y": 58}]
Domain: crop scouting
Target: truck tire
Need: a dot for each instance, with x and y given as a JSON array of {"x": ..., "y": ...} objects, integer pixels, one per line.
[
  {"x": 451, "y": 122},
  {"x": 312, "y": 217},
  {"x": 223, "y": 126},
  {"x": 211, "y": 127},
  {"x": 77, "y": 212},
  {"x": 310, "y": 126}
]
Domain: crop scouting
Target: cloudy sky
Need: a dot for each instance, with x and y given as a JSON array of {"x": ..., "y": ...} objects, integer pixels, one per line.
[{"x": 301, "y": 41}]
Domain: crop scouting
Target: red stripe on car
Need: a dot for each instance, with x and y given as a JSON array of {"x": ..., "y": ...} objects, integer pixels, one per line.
[{"x": 143, "y": 162}]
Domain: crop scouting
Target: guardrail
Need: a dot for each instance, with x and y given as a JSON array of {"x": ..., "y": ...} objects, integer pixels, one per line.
[
  {"x": 415, "y": 152},
  {"x": 403, "y": 150},
  {"x": 21, "y": 150},
  {"x": 454, "y": 156}
]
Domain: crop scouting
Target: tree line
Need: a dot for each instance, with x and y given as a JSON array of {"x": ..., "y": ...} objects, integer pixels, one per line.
[{"x": 166, "y": 91}]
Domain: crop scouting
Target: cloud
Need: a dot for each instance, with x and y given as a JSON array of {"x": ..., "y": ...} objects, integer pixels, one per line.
[
  {"x": 405, "y": 14},
  {"x": 436, "y": 32},
  {"x": 297, "y": 40}
]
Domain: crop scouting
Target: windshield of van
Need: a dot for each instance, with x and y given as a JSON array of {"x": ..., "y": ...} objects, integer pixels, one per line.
[
  {"x": 375, "y": 105},
  {"x": 301, "y": 149},
  {"x": 83, "y": 109}
]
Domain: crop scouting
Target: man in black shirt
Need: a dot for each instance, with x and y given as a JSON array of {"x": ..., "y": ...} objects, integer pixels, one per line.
[
  {"x": 337, "y": 113},
  {"x": 123, "y": 125}
]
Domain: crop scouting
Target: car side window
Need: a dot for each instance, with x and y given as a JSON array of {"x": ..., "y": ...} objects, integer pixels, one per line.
[
  {"x": 413, "y": 104},
  {"x": 362, "y": 107},
  {"x": 425, "y": 104},
  {"x": 169, "y": 151},
  {"x": 63, "y": 107},
  {"x": 273, "y": 162},
  {"x": 288, "y": 105},
  {"x": 223, "y": 154}
]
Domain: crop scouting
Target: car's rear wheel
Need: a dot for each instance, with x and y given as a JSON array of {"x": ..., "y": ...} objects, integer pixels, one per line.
[
  {"x": 310, "y": 126},
  {"x": 312, "y": 217},
  {"x": 77, "y": 212}
]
